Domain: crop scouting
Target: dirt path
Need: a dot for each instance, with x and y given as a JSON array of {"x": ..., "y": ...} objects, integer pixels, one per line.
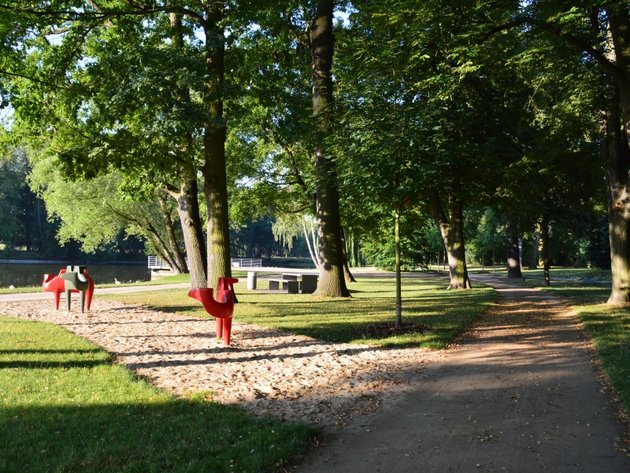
[{"x": 519, "y": 394}]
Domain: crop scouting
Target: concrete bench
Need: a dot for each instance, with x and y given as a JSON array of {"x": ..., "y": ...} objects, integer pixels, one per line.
[
  {"x": 294, "y": 283},
  {"x": 291, "y": 285},
  {"x": 309, "y": 283}
]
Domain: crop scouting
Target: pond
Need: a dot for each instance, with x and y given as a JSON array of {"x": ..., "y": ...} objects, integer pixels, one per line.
[{"x": 32, "y": 274}]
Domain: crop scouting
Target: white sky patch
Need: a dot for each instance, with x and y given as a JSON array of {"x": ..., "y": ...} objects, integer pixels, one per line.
[{"x": 6, "y": 117}]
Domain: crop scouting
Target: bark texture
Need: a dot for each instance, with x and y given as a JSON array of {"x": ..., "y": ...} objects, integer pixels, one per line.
[
  {"x": 616, "y": 149},
  {"x": 544, "y": 237},
  {"x": 187, "y": 194},
  {"x": 331, "y": 281},
  {"x": 192, "y": 230},
  {"x": 533, "y": 262},
  {"x": 513, "y": 254},
  {"x": 213, "y": 170},
  {"x": 178, "y": 258},
  {"x": 448, "y": 215},
  {"x": 616, "y": 155}
]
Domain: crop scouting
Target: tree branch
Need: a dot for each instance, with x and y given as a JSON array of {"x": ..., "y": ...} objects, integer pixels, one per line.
[
  {"x": 577, "y": 43},
  {"x": 33, "y": 79},
  {"x": 102, "y": 13}
]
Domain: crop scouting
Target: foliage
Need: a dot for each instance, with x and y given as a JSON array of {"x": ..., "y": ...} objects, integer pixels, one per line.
[
  {"x": 65, "y": 407},
  {"x": 420, "y": 242},
  {"x": 256, "y": 239},
  {"x": 487, "y": 241},
  {"x": 12, "y": 176},
  {"x": 96, "y": 211},
  {"x": 494, "y": 104}
]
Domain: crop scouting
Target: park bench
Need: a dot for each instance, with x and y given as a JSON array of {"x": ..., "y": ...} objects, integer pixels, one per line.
[
  {"x": 287, "y": 281},
  {"x": 294, "y": 282}
]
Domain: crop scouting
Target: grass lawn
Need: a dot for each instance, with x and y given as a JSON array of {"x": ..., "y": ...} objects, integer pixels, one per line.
[
  {"x": 608, "y": 326},
  {"x": 65, "y": 408},
  {"x": 426, "y": 303}
]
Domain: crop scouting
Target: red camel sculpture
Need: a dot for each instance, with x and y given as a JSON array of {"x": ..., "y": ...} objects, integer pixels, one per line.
[
  {"x": 222, "y": 307},
  {"x": 57, "y": 285}
]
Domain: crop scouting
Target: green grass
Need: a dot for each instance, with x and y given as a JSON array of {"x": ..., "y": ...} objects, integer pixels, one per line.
[
  {"x": 425, "y": 301},
  {"x": 174, "y": 279},
  {"x": 20, "y": 290},
  {"x": 609, "y": 328},
  {"x": 569, "y": 276},
  {"x": 64, "y": 408}
]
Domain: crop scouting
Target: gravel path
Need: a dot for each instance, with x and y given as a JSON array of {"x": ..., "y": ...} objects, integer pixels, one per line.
[
  {"x": 267, "y": 372},
  {"x": 519, "y": 394}
]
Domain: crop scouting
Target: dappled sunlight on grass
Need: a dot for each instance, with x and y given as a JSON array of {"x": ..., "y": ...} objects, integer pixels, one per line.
[
  {"x": 609, "y": 328},
  {"x": 425, "y": 301},
  {"x": 581, "y": 295}
]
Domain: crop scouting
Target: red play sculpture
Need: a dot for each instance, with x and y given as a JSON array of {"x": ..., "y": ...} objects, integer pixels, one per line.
[
  {"x": 222, "y": 307},
  {"x": 63, "y": 283}
]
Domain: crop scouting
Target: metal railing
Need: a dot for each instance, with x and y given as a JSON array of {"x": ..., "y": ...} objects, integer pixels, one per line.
[
  {"x": 155, "y": 262},
  {"x": 246, "y": 262}
]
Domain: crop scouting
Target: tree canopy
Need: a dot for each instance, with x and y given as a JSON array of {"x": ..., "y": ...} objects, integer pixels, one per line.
[{"x": 467, "y": 118}]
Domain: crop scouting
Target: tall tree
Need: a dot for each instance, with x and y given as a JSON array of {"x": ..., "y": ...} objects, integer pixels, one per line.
[
  {"x": 288, "y": 60},
  {"x": 214, "y": 126},
  {"x": 601, "y": 33},
  {"x": 136, "y": 87},
  {"x": 331, "y": 280},
  {"x": 439, "y": 105}
]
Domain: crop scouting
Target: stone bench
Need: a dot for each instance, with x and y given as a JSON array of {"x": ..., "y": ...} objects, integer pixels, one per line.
[{"x": 292, "y": 286}]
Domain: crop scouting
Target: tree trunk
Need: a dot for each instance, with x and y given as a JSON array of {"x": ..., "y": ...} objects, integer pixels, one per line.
[
  {"x": 450, "y": 222},
  {"x": 513, "y": 256},
  {"x": 616, "y": 151},
  {"x": 533, "y": 261},
  {"x": 188, "y": 211},
  {"x": 331, "y": 281},
  {"x": 178, "y": 257},
  {"x": 544, "y": 237},
  {"x": 346, "y": 261},
  {"x": 187, "y": 197},
  {"x": 616, "y": 154},
  {"x": 398, "y": 273},
  {"x": 213, "y": 170}
]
